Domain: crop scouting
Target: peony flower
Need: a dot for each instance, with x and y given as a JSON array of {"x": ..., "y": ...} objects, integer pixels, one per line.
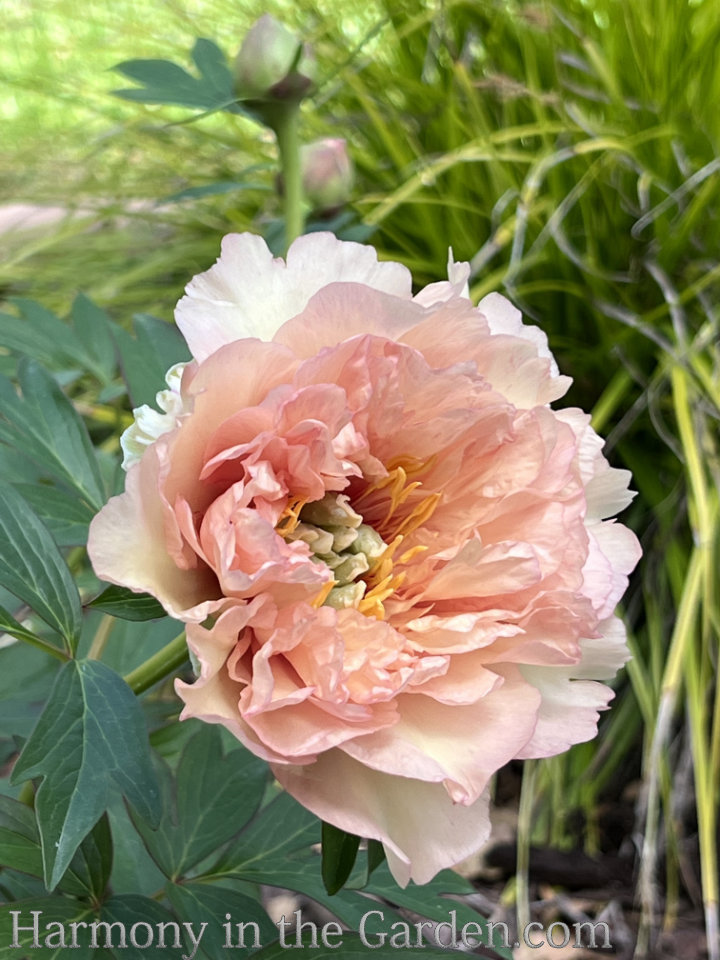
[{"x": 395, "y": 560}]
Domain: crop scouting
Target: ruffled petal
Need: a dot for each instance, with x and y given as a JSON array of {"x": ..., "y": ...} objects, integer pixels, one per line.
[
  {"x": 127, "y": 545},
  {"x": 459, "y": 745},
  {"x": 571, "y": 699},
  {"x": 249, "y": 293},
  {"x": 421, "y": 828},
  {"x": 456, "y": 284}
]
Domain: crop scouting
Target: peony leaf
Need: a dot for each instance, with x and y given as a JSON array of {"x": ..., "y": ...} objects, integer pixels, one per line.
[
  {"x": 282, "y": 828},
  {"x": 20, "y": 850},
  {"x": 66, "y": 517},
  {"x": 44, "y": 426},
  {"x": 32, "y": 568},
  {"x": 53, "y": 910},
  {"x": 339, "y": 850},
  {"x": 38, "y": 333},
  {"x": 89, "y": 743},
  {"x": 199, "y": 903},
  {"x": 146, "y": 357},
  {"x": 8, "y": 624},
  {"x": 212, "y": 797},
  {"x": 166, "y": 82},
  {"x": 129, "y": 909},
  {"x": 212, "y": 64},
  {"x": 19, "y": 841},
  {"x": 375, "y": 855},
  {"x": 273, "y": 849},
  {"x": 431, "y": 900},
  {"x": 92, "y": 326},
  {"x": 128, "y": 605}
]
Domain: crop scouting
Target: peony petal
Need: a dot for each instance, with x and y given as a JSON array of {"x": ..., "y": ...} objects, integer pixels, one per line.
[
  {"x": 570, "y": 697},
  {"x": 422, "y": 830},
  {"x": 343, "y": 310},
  {"x": 485, "y": 571},
  {"x": 456, "y": 285},
  {"x": 503, "y": 317},
  {"x": 465, "y": 681},
  {"x": 606, "y": 488},
  {"x": 217, "y": 700},
  {"x": 462, "y": 746},
  {"x": 613, "y": 554},
  {"x": 306, "y": 729},
  {"x": 248, "y": 293},
  {"x": 127, "y": 546}
]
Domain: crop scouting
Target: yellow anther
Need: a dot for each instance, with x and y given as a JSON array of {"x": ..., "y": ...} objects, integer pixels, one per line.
[
  {"x": 290, "y": 517},
  {"x": 320, "y": 599},
  {"x": 411, "y": 553},
  {"x": 420, "y": 514}
]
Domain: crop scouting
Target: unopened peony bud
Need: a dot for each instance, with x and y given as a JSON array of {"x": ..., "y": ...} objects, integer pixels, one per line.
[
  {"x": 327, "y": 173},
  {"x": 273, "y": 63}
]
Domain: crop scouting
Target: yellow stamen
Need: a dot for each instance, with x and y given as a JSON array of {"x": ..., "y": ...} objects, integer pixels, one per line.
[
  {"x": 290, "y": 517},
  {"x": 323, "y": 595},
  {"x": 412, "y": 553},
  {"x": 372, "y": 603},
  {"x": 412, "y": 465},
  {"x": 419, "y": 515}
]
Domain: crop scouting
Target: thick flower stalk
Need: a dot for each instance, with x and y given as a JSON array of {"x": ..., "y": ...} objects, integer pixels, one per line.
[{"x": 393, "y": 557}]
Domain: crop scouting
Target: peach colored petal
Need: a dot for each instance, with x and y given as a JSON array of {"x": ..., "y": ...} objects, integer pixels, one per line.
[
  {"x": 606, "y": 488},
  {"x": 128, "y": 547},
  {"x": 305, "y": 728},
  {"x": 421, "y": 828},
  {"x": 459, "y": 633},
  {"x": 341, "y": 311},
  {"x": 503, "y": 317},
  {"x": 437, "y": 742},
  {"x": 465, "y": 680}
]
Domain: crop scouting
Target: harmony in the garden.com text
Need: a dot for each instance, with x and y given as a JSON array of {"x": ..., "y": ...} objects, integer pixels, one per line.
[{"x": 29, "y": 930}]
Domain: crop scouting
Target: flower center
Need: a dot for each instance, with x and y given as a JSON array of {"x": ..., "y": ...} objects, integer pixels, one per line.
[{"x": 362, "y": 562}]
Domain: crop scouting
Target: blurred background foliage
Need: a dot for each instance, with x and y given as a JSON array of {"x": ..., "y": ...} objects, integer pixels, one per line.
[{"x": 569, "y": 151}]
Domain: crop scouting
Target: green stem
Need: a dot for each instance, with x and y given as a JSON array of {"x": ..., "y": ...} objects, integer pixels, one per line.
[
  {"x": 159, "y": 666},
  {"x": 285, "y": 120},
  {"x": 612, "y": 397},
  {"x": 524, "y": 830}
]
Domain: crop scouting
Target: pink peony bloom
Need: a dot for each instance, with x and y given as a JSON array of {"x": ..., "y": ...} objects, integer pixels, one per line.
[{"x": 394, "y": 559}]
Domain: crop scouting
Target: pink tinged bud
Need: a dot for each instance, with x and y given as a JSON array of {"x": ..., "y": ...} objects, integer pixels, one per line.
[
  {"x": 273, "y": 64},
  {"x": 327, "y": 173}
]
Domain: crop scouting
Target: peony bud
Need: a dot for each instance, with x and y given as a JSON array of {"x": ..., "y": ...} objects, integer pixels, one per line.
[
  {"x": 272, "y": 64},
  {"x": 327, "y": 173}
]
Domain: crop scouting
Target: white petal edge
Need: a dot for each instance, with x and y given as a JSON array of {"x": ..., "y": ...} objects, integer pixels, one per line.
[
  {"x": 149, "y": 425},
  {"x": 456, "y": 285},
  {"x": 249, "y": 293},
  {"x": 503, "y": 317},
  {"x": 571, "y": 696}
]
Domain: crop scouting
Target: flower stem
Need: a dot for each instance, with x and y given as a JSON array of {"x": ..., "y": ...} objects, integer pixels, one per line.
[
  {"x": 285, "y": 122},
  {"x": 159, "y": 666}
]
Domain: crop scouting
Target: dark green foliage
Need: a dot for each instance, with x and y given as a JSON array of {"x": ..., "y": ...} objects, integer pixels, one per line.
[
  {"x": 89, "y": 741},
  {"x": 166, "y": 82}
]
